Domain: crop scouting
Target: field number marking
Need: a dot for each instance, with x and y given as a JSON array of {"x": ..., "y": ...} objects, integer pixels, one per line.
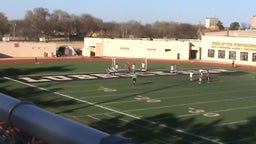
[
  {"x": 201, "y": 111},
  {"x": 105, "y": 89},
  {"x": 147, "y": 99}
]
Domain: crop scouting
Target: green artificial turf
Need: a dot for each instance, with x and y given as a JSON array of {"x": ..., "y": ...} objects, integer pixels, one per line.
[{"x": 157, "y": 110}]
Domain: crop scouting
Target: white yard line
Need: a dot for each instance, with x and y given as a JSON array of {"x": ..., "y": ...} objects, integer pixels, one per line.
[
  {"x": 141, "y": 126},
  {"x": 222, "y": 124},
  {"x": 223, "y": 110},
  {"x": 119, "y": 112},
  {"x": 185, "y": 104},
  {"x": 240, "y": 140},
  {"x": 73, "y": 98},
  {"x": 93, "y": 117}
]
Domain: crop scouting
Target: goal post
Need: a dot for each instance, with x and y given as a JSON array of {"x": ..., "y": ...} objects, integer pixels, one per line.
[
  {"x": 125, "y": 64},
  {"x": 113, "y": 62}
]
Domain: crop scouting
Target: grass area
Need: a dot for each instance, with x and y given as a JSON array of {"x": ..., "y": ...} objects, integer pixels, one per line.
[{"x": 158, "y": 110}]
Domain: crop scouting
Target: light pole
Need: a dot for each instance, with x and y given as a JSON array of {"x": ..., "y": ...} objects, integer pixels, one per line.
[{"x": 14, "y": 30}]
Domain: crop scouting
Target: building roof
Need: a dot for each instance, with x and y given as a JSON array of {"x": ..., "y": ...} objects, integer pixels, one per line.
[{"x": 233, "y": 33}]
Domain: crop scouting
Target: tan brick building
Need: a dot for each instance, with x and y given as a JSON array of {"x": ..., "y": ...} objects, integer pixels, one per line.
[{"x": 253, "y": 22}]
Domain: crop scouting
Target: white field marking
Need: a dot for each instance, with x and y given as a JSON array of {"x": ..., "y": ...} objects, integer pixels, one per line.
[
  {"x": 93, "y": 117},
  {"x": 224, "y": 110},
  {"x": 111, "y": 116},
  {"x": 77, "y": 73},
  {"x": 119, "y": 112},
  {"x": 124, "y": 120},
  {"x": 186, "y": 104},
  {"x": 221, "y": 124},
  {"x": 195, "y": 103},
  {"x": 234, "y": 122},
  {"x": 81, "y": 116},
  {"x": 240, "y": 140},
  {"x": 73, "y": 98},
  {"x": 141, "y": 126},
  {"x": 163, "y": 97}
]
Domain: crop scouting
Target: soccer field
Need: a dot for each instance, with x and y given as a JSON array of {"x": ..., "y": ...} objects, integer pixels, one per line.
[{"x": 162, "y": 108}]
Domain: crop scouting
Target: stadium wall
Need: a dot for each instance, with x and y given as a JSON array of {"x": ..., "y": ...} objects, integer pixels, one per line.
[
  {"x": 156, "y": 49},
  {"x": 226, "y": 49},
  {"x": 27, "y": 49}
]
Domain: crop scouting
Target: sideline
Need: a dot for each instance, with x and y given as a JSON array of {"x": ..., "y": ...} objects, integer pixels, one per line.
[
  {"x": 83, "y": 58},
  {"x": 122, "y": 113}
]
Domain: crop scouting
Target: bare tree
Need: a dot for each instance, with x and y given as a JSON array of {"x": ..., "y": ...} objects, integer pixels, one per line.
[
  {"x": 38, "y": 20},
  {"x": 21, "y": 29},
  {"x": 186, "y": 31},
  {"x": 173, "y": 30},
  {"x": 61, "y": 23},
  {"x": 4, "y": 26},
  {"x": 244, "y": 26},
  {"x": 159, "y": 29},
  {"x": 90, "y": 25},
  {"x": 110, "y": 29},
  {"x": 136, "y": 29}
]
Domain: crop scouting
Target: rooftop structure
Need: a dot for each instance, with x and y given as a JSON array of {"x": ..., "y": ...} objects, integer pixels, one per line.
[
  {"x": 253, "y": 22},
  {"x": 211, "y": 22}
]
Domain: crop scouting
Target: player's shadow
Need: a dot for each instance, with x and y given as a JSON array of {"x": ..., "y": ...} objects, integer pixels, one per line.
[
  {"x": 234, "y": 73},
  {"x": 144, "y": 83}
]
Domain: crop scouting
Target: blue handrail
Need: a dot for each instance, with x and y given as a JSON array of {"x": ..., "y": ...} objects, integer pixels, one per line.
[{"x": 49, "y": 127}]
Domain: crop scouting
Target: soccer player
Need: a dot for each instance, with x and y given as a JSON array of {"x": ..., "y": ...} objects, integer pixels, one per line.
[
  {"x": 200, "y": 76},
  {"x": 116, "y": 67},
  {"x": 129, "y": 67},
  {"x": 133, "y": 67},
  {"x": 191, "y": 76},
  {"x": 233, "y": 63},
  {"x": 142, "y": 66},
  {"x": 134, "y": 78},
  {"x": 208, "y": 76},
  {"x": 172, "y": 68}
]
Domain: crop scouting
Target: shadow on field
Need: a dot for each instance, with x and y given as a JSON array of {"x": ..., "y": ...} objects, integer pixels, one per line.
[
  {"x": 150, "y": 130},
  {"x": 31, "y": 71},
  {"x": 81, "y": 106},
  {"x": 235, "y": 73},
  {"x": 165, "y": 128}
]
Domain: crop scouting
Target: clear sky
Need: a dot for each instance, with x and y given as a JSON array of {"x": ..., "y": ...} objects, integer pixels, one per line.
[{"x": 144, "y": 11}]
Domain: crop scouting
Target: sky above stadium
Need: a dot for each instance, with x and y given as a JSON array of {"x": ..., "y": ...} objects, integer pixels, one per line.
[{"x": 144, "y": 11}]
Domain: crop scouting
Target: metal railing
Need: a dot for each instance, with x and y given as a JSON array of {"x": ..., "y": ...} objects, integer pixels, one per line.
[{"x": 49, "y": 127}]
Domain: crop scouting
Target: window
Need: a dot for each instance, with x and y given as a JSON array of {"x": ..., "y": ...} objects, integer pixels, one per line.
[
  {"x": 221, "y": 54},
  {"x": 232, "y": 55},
  {"x": 244, "y": 56},
  {"x": 211, "y": 53},
  {"x": 254, "y": 57},
  {"x": 16, "y": 45},
  {"x": 167, "y": 50}
]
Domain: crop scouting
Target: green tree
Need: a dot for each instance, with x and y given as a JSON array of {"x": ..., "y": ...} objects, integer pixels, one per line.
[
  {"x": 234, "y": 26},
  {"x": 220, "y": 25}
]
